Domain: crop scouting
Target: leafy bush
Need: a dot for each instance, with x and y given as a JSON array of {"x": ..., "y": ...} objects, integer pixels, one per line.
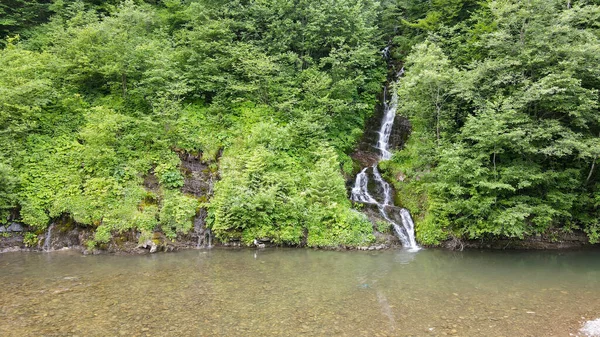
[
  {"x": 176, "y": 213},
  {"x": 30, "y": 239}
]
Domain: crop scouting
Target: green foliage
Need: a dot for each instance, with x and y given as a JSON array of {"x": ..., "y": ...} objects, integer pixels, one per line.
[
  {"x": 7, "y": 191},
  {"x": 106, "y": 93},
  {"x": 16, "y": 16},
  {"x": 30, "y": 239},
  {"x": 383, "y": 227},
  {"x": 507, "y": 144},
  {"x": 97, "y": 95},
  {"x": 177, "y": 213},
  {"x": 168, "y": 173},
  {"x": 271, "y": 188}
]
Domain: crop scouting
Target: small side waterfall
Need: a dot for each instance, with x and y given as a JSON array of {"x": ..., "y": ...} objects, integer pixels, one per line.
[
  {"x": 360, "y": 193},
  {"x": 209, "y": 237},
  {"x": 48, "y": 240}
]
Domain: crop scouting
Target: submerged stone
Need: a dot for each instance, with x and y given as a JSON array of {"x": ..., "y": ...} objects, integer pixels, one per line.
[{"x": 591, "y": 328}]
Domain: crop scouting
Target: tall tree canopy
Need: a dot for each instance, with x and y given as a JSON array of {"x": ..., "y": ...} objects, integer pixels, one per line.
[
  {"x": 507, "y": 121},
  {"x": 98, "y": 99},
  {"x": 102, "y": 97}
]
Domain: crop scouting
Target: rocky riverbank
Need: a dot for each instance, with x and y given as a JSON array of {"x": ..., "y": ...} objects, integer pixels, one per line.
[
  {"x": 64, "y": 236},
  {"x": 549, "y": 241},
  {"x": 16, "y": 237}
]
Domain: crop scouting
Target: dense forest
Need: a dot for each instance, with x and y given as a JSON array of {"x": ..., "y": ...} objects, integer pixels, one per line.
[{"x": 99, "y": 97}]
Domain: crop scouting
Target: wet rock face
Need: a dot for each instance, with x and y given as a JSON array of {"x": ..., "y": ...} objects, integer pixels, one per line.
[
  {"x": 198, "y": 177},
  {"x": 375, "y": 189},
  {"x": 64, "y": 234},
  {"x": 388, "y": 238},
  {"x": 199, "y": 181},
  {"x": 400, "y": 132},
  {"x": 151, "y": 181},
  {"x": 200, "y": 236},
  {"x": 11, "y": 243},
  {"x": 15, "y": 227},
  {"x": 65, "y": 237},
  {"x": 365, "y": 158},
  {"x": 394, "y": 213},
  {"x": 366, "y": 154}
]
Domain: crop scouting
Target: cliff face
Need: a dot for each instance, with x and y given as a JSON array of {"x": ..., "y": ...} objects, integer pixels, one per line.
[{"x": 199, "y": 178}]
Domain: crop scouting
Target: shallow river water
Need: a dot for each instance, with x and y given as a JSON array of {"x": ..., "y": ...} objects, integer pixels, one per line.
[{"x": 298, "y": 292}]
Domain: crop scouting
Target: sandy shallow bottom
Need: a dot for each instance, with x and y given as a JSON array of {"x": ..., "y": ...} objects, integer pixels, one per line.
[{"x": 296, "y": 292}]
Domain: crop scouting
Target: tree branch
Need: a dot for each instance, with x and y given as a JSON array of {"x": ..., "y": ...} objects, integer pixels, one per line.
[{"x": 591, "y": 170}]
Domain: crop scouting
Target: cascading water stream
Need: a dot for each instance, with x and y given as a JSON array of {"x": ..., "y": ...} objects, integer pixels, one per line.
[
  {"x": 389, "y": 114},
  {"x": 48, "y": 240},
  {"x": 360, "y": 193},
  {"x": 209, "y": 238}
]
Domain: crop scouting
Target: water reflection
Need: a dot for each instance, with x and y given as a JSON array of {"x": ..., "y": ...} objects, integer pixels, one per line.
[{"x": 290, "y": 292}]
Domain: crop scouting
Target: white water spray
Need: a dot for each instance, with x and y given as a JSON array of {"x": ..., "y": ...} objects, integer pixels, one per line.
[
  {"x": 389, "y": 114},
  {"x": 360, "y": 193},
  {"x": 48, "y": 240}
]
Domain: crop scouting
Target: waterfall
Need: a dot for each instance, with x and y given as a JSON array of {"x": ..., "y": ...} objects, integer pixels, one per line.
[
  {"x": 387, "y": 190},
  {"x": 389, "y": 114},
  {"x": 409, "y": 225},
  {"x": 406, "y": 230},
  {"x": 359, "y": 191},
  {"x": 47, "y": 241},
  {"x": 385, "y": 52},
  {"x": 209, "y": 234}
]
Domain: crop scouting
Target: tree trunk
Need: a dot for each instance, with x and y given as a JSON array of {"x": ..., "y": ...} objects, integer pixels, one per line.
[{"x": 591, "y": 170}]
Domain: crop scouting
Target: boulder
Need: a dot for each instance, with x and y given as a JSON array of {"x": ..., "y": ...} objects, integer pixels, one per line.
[
  {"x": 591, "y": 328},
  {"x": 15, "y": 227},
  {"x": 149, "y": 244}
]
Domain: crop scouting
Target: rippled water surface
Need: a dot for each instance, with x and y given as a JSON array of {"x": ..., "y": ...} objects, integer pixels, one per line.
[{"x": 295, "y": 292}]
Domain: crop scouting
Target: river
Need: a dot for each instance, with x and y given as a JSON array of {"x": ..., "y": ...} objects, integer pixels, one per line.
[{"x": 300, "y": 292}]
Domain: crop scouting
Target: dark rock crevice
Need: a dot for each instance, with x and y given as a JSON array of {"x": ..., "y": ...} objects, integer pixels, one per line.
[
  {"x": 199, "y": 176},
  {"x": 366, "y": 154},
  {"x": 199, "y": 179}
]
